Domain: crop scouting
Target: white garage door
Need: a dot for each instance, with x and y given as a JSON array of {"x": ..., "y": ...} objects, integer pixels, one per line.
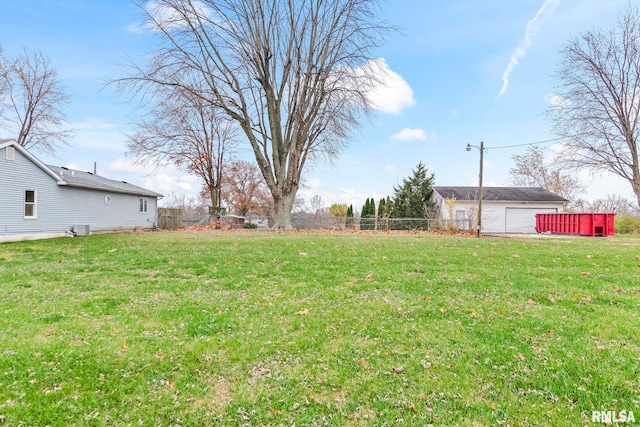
[{"x": 523, "y": 220}]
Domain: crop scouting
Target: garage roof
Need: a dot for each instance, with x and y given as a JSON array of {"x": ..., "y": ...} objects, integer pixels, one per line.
[{"x": 500, "y": 194}]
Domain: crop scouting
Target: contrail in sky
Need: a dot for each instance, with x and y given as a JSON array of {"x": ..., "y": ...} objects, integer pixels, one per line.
[{"x": 533, "y": 27}]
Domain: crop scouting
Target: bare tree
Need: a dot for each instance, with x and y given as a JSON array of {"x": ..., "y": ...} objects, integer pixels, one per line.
[
  {"x": 34, "y": 98},
  {"x": 293, "y": 74},
  {"x": 531, "y": 170},
  {"x": 189, "y": 132},
  {"x": 3, "y": 81},
  {"x": 597, "y": 107},
  {"x": 316, "y": 204},
  {"x": 612, "y": 203}
]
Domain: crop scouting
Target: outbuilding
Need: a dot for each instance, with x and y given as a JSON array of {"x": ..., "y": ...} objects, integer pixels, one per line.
[
  {"x": 39, "y": 200},
  {"x": 504, "y": 209}
]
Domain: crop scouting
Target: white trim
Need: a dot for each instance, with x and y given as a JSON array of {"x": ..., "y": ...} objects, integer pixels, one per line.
[
  {"x": 144, "y": 205},
  {"x": 34, "y": 204}
]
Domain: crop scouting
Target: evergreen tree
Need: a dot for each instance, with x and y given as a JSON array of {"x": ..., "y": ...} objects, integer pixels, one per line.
[
  {"x": 368, "y": 212},
  {"x": 412, "y": 198},
  {"x": 381, "y": 208},
  {"x": 350, "y": 221}
]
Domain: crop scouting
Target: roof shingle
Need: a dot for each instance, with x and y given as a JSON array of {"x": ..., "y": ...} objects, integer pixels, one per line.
[
  {"x": 76, "y": 178},
  {"x": 503, "y": 194}
]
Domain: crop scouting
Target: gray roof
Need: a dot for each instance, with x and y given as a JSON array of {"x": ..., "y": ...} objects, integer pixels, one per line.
[
  {"x": 76, "y": 178},
  {"x": 502, "y": 194}
]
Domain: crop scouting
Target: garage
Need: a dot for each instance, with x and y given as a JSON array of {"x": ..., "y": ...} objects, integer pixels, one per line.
[
  {"x": 504, "y": 209},
  {"x": 523, "y": 220}
]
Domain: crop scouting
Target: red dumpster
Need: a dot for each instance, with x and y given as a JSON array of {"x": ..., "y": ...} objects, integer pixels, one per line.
[{"x": 583, "y": 224}]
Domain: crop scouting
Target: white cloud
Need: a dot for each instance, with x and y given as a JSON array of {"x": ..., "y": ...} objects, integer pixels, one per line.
[
  {"x": 127, "y": 166},
  {"x": 392, "y": 94},
  {"x": 97, "y": 133},
  {"x": 533, "y": 27},
  {"x": 410, "y": 134},
  {"x": 555, "y": 100},
  {"x": 165, "y": 17}
]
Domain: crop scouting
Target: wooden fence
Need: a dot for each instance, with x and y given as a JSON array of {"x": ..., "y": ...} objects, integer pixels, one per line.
[{"x": 169, "y": 218}]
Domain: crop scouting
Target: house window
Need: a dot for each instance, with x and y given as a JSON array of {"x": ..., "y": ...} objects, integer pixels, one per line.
[
  {"x": 143, "y": 205},
  {"x": 10, "y": 153},
  {"x": 30, "y": 210}
]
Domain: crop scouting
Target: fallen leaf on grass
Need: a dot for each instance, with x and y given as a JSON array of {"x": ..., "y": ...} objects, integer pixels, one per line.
[
  {"x": 275, "y": 411},
  {"x": 303, "y": 254},
  {"x": 515, "y": 256},
  {"x": 586, "y": 273},
  {"x": 530, "y": 301},
  {"x": 125, "y": 346},
  {"x": 363, "y": 363},
  {"x": 601, "y": 347},
  {"x": 303, "y": 312}
]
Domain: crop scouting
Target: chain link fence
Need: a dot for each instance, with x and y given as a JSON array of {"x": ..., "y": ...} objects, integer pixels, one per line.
[{"x": 307, "y": 221}]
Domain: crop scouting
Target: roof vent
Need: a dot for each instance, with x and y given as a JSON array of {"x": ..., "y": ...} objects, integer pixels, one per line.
[
  {"x": 124, "y": 182},
  {"x": 90, "y": 173},
  {"x": 65, "y": 168}
]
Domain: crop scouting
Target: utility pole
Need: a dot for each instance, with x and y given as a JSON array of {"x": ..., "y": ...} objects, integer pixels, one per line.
[{"x": 481, "y": 148}]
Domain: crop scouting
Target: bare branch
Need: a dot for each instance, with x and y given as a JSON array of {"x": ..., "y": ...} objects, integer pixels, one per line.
[
  {"x": 599, "y": 83},
  {"x": 531, "y": 170},
  {"x": 35, "y": 99},
  {"x": 286, "y": 71},
  {"x": 184, "y": 130}
]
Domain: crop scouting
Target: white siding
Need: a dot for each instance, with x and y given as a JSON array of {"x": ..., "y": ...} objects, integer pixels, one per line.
[
  {"x": 60, "y": 207},
  {"x": 523, "y": 220},
  {"x": 494, "y": 214}
]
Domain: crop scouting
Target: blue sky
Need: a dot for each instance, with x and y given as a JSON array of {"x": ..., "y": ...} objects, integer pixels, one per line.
[{"x": 459, "y": 71}]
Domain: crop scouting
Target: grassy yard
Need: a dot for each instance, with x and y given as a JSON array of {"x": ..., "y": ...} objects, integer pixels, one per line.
[{"x": 318, "y": 329}]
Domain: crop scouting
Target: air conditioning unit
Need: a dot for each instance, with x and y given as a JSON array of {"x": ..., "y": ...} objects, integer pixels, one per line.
[{"x": 81, "y": 230}]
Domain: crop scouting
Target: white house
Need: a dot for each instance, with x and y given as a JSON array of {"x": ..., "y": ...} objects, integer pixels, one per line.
[
  {"x": 38, "y": 200},
  {"x": 504, "y": 209}
]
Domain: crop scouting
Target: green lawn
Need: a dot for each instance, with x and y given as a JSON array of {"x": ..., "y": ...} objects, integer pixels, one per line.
[{"x": 264, "y": 328}]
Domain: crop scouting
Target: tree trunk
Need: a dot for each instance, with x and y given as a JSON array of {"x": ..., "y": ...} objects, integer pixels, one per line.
[
  {"x": 214, "y": 192},
  {"x": 636, "y": 188},
  {"x": 282, "y": 211}
]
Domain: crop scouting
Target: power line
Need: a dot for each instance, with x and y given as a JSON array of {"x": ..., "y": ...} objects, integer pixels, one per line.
[{"x": 523, "y": 145}]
